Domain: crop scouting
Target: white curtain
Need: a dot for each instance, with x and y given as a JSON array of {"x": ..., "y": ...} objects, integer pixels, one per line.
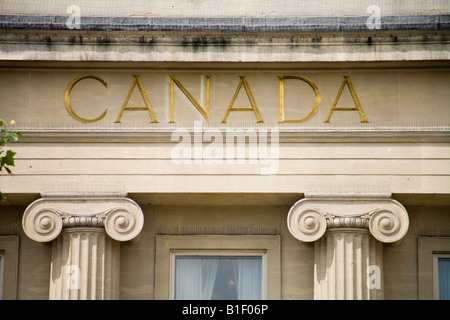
[
  {"x": 195, "y": 278},
  {"x": 188, "y": 279},
  {"x": 209, "y": 271},
  {"x": 444, "y": 278},
  {"x": 248, "y": 272}
]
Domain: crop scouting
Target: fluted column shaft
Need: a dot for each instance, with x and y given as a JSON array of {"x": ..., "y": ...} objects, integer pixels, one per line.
[
  {"x": 86, "y": 248},
  {"x": 348, "y": 232},
  {"x": 341, "y": 265},
  {"x": 85, "y": 265}
]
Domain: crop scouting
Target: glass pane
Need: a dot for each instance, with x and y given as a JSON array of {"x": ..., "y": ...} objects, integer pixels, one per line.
[
  {"x": 444, "y": 278},
  {"x": 218, "y": 278}
]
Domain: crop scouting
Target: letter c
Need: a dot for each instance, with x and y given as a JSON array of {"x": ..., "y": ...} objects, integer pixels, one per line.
[{"x": 67, "y": 97}]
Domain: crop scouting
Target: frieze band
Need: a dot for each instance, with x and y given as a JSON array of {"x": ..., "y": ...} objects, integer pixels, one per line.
[{"x": 205, "y": 111}]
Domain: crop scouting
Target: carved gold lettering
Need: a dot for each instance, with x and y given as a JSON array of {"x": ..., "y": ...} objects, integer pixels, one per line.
[
  {"x": 137, "y": 80},
  {"x": 281, "y": 98},
  {"x": 204, "y": 113},
  {"x": 205, "y": 109},
  {"x": 347, "y": 81},
  {"x": 254, "y": 107},
  {"x": 69, "y": 90}
]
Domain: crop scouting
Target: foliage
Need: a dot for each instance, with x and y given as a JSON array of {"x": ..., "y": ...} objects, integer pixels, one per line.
[{"x": 7, "y": 156}]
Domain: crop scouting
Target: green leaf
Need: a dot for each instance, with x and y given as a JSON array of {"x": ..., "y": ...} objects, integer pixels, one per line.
[{"x": 9, "y": 158}]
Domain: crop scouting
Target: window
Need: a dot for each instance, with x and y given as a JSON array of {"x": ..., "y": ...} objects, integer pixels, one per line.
[
  {"x": 9, "y": 257},
  {"x": 2, "y": 264},
  {"x": 442, "y": 276},
  {"x": 218, "y": 277},
  {"x": 224, "y": 261},
  {"x": 434, "y": 268}
]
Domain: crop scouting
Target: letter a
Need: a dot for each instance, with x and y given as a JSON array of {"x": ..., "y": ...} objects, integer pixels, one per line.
[
  {"x": 254, "y": 107},
  {"x": 355, "y": 100},
  {"x": 148, "y": 106}
]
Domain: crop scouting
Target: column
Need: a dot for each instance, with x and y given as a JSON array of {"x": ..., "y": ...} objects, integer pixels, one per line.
[
  {"x": 348, "y": 232},
  {"x": 85, "y": 234}
]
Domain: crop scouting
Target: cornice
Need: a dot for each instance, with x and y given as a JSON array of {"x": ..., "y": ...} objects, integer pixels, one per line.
[
  {"x": 227, "y": 24},
  {"x": 239, "y": 39}
]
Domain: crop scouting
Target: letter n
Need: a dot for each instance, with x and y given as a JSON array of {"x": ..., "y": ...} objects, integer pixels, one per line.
[{"x": 204, "y": 113}]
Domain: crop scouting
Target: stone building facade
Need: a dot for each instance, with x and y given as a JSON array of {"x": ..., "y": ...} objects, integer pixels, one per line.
[{"x": 291, "y": 150}]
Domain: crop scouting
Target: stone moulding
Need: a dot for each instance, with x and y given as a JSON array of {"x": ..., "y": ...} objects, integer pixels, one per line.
[
  {"x": 287, "y": 132},
  {"x": 227, "y": 39},
  {"x": 227, "y": 24},
  {"x": 386, "y": 219},
  {"x": 45, "y": 218}
]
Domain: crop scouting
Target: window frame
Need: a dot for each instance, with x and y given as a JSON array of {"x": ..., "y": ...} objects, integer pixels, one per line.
[
  {"x": 436, "y": 257},
  {"x": 166, "y": 245},
  {"x": 9, "y": 246},
  {"x": 428, "y": 248},
  {"x": 219, "y": 253}
]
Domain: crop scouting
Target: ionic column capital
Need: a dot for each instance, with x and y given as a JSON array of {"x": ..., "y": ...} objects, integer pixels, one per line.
[
  {"x": 46, "y": 217},
  {"x": 309, "y": 218}
]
